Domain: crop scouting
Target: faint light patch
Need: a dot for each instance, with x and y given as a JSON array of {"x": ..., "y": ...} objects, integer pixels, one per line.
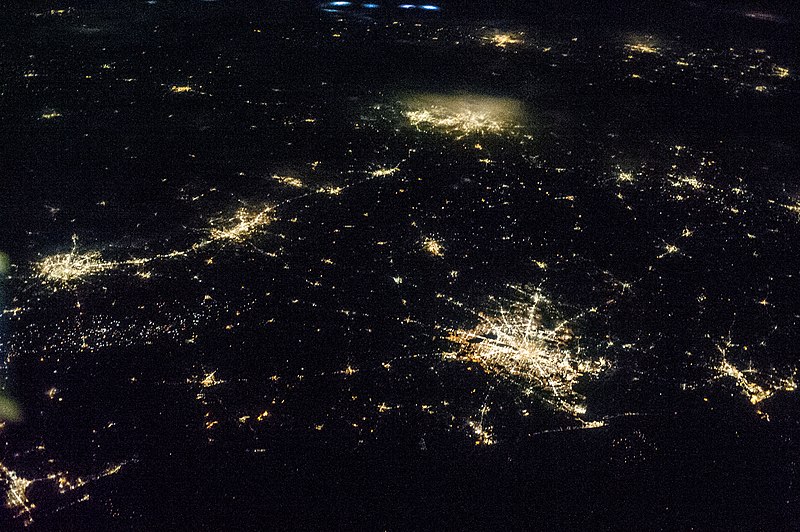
[
  {"x": 180, "y": 89},
  {"x": 763, "y": 16},
  {"x": 9, "y": 411},
  {"x": 792, "y": 205},
  {"x": 55, "y": 12},
  {"x": 461, "y": 115}
]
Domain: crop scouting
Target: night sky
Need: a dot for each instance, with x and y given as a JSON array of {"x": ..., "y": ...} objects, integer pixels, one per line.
[{"x": 432, "y": 265}]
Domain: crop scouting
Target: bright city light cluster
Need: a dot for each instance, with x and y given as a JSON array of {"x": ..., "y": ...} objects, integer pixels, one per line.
[
  {"x": 643, "y": 48},
  {"x": 433, "y": 246},
  {"x": 516, "y": 342},
  {"x": 505, "y": 39},
  {"x": 754, "y": 386},
  {"x": 16, "y": 493},
  {"x": 464, "y": 115},
  {"x": 63, "y": 269},
  {"x": 242, "y": 225}
]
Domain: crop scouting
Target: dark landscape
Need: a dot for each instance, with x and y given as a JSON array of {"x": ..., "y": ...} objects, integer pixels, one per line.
[{"x": 399, "y": 266}]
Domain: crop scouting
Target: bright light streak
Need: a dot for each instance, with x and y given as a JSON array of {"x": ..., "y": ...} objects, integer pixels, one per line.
[
  {"x": 63, "y": 270},
  {"x": 382, "y": 172},
  {"x": 750, "y": 389},
  {"x": 780, "y": 72},
  {"x": 643, "y": 48},
  {"x": 290, "y": 181}
]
